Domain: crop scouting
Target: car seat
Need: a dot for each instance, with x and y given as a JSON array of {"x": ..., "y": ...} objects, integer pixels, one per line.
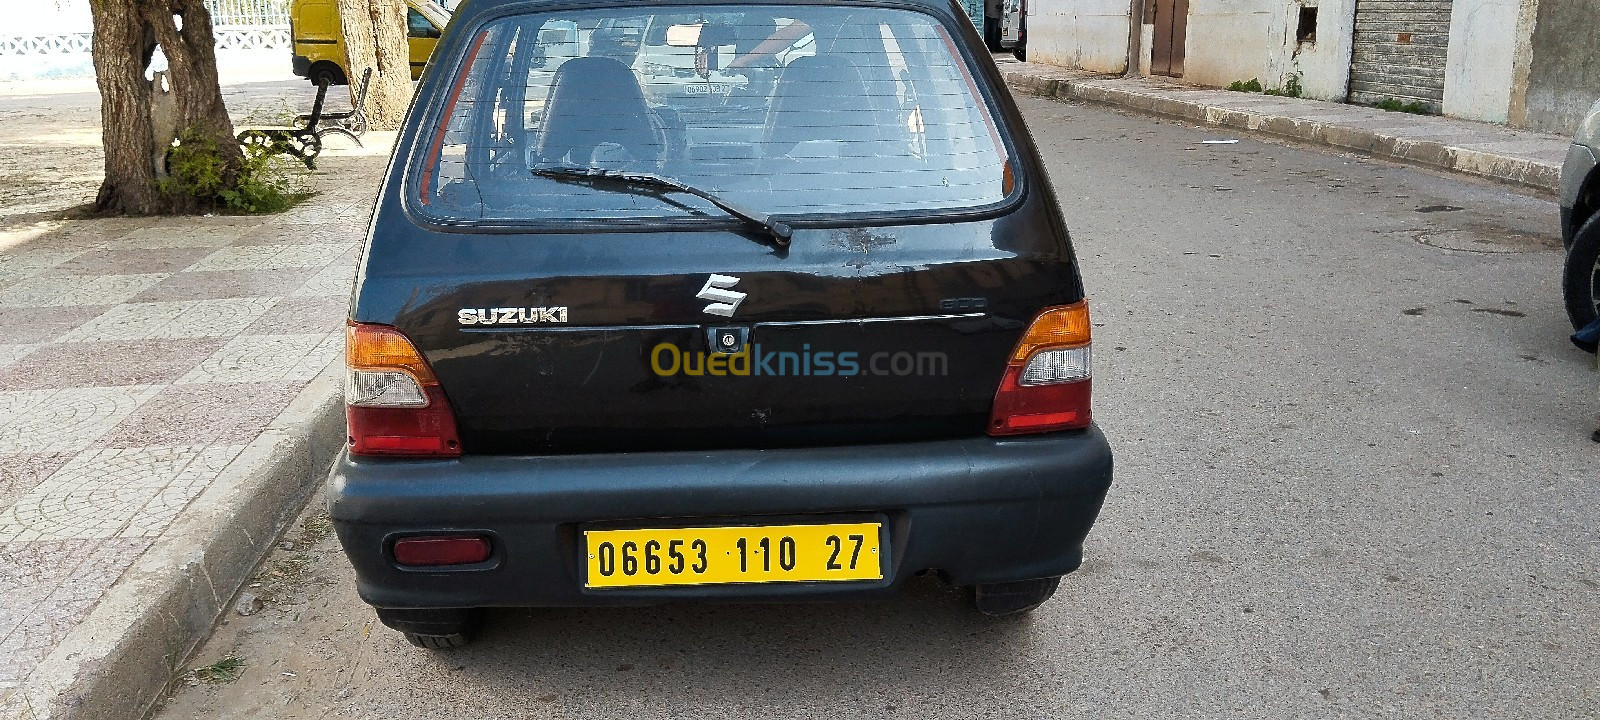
[
  {"x": 596, "y": 101},
  {"x": 807, "y": 100}
]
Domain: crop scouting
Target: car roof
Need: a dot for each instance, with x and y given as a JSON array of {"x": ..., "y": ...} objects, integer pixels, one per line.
[{"x": 469, "y": 9}]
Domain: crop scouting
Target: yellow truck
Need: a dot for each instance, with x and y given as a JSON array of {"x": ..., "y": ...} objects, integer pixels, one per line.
[{"x": 319, "y": 53}]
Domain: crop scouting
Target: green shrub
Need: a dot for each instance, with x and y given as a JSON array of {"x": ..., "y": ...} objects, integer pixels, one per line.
[
  {"x": 195, "y": 167},
  {"x": 1291, "y": 88},
  {"x": 1251, "y": 85},
  {"x": 264, "y": 183},
  {"x": 268, "y": 183}
]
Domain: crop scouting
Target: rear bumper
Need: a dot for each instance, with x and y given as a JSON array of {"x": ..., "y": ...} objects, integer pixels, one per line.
[
  {"x": 978, "y": 510},
  {"x": 301, "y": 66}
]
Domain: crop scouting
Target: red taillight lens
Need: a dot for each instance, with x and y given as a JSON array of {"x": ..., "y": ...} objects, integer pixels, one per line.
[
  {"x": 444, "y": 550},
  {"x": 393, "y": 402},
  {"x": 1047, "y": 385}
]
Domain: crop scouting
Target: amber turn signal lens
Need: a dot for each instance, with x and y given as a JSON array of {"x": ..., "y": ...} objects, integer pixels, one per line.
[
  {"x": 376, "y": 347},
  {"x": 1063, "y": 326}
]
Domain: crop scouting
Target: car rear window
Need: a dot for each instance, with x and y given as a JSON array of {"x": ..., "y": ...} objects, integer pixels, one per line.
[{"x": 787, "y": 110}]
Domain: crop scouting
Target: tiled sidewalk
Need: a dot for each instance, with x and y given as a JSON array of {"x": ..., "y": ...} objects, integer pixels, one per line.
[{"x": 138, "y": 358}]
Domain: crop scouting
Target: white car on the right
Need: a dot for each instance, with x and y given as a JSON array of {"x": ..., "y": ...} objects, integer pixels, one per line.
[{"x": 1580, "y": 223}]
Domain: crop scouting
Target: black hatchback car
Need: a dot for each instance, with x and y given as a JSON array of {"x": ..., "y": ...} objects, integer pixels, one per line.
[{"x": 673, "y": 301}]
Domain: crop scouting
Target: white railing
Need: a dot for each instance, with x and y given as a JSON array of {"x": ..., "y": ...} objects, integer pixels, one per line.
[
  {"x": 248, "y": 13},
  {"x": 237, "y": 24},
  {"x": 64, "y": 44}
]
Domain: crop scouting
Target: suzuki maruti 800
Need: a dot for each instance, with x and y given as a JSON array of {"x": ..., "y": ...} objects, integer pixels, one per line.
[{"x": 670, "y": 301}]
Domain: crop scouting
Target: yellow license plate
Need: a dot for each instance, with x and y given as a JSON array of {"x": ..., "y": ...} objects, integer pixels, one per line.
[{"x": 713, "y": 555}]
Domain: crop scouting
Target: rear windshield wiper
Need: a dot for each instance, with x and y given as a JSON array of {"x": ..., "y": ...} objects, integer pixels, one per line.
[{"x": 780, "y": 232}]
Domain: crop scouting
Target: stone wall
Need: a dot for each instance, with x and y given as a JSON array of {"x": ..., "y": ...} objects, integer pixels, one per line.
[
  {"x": 1084, "y": 34},
  {"x": 1563, "y": 78}
]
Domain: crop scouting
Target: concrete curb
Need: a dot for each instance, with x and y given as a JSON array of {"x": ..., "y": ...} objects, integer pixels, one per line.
[
  {"x": 116, "y": 664},
  {"x": 1512, "y": 170}
]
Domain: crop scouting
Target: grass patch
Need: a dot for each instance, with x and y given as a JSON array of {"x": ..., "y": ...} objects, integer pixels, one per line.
[
  {"x": 1394, "y": 105},
  {"x": 314, "y": 528},
  {"x": 221, "y": 672},
  {"x": 291, "y": 568},
  {"x": 1291, "y": 88}
]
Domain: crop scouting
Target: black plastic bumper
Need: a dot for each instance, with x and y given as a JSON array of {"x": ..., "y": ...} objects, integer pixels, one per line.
[
  {"x": 978, "y": 510},
  {"x": 301, "y": 65}
]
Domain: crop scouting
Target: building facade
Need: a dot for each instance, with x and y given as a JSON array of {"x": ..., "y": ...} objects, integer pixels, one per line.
[{"x": 1528, "y": 63}]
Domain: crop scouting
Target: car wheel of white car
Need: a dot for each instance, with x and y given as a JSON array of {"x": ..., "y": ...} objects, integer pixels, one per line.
[{"x": 1580, "y": 281}]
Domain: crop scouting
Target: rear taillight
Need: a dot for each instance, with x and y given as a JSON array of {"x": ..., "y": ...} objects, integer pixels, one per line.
[
  {"x": 392, "y": 399},
  {"x": 1047, "y": 381}
]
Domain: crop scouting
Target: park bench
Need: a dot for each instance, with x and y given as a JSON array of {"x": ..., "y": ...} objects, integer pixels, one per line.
[
  {"x": 352, "y": 124},
  {"x": 303, "y": 139}
]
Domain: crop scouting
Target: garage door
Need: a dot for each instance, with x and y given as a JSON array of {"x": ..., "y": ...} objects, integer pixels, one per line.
[{"x": 1400, "y": 51}]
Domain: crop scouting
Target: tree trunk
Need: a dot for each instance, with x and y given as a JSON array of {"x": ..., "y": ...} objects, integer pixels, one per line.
[
  {"x": 191, "y": 52},
  {"x": 375, "y": 37},
  {"x": 126, "y": 33},
  {"x": 121, "y": 50}
]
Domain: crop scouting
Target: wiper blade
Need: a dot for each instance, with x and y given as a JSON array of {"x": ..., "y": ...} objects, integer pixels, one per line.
[{"x": 778, "y": 230}]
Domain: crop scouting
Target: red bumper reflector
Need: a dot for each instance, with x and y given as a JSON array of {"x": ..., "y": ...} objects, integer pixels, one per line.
[{"x": 436, "y": 551}]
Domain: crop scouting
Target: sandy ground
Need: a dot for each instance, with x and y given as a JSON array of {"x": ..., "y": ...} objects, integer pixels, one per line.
[{"x": 50, "y": 146}]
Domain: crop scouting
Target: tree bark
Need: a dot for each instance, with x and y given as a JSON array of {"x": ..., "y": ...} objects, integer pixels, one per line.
[
  {"x": 121, "y": 50},
  {"x": 191, "y": 52},
  {"x": 126, "y": 33},
  {"x": 375, "y": 37}
]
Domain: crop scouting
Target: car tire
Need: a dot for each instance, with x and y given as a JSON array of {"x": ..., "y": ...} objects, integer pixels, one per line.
[
  {"x": 439, "y": 642},
  {"x": 434, "y": 629},
  {"x": 1020, "y": 52},
  {"x": 1580, "y": 278},
  {"x": 1013, "y": 598},
  {"x": 326, "y": 71}
]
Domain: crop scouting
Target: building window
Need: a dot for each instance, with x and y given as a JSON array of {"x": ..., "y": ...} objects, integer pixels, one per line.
[{"x": 1306, "y": 32}]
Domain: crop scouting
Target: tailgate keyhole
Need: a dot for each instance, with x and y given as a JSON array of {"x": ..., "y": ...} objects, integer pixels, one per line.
[{"x": 727, "y": 340}]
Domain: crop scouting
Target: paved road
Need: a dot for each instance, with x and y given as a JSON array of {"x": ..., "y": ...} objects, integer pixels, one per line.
[{"x": 1354, "y": 480}]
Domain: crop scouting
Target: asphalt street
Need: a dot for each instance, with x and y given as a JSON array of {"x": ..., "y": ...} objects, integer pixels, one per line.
[{"x": 1354, "y": 479}]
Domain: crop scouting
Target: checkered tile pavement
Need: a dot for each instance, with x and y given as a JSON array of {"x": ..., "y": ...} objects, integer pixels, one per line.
[{"x": 138, "y": 357}]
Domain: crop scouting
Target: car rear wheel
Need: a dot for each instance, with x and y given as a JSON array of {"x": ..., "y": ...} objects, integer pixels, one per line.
[
  {"x": 1013, "y": 598},
  {"x": 439, "y": 642},
  {"x": 1580, "y": 281},
  {"x": 441, "y": 629},
  {"x": 326, "y": 72}
]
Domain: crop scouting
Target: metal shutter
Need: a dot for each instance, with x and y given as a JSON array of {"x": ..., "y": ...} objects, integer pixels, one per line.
[{"x": 1400, "y": 51}]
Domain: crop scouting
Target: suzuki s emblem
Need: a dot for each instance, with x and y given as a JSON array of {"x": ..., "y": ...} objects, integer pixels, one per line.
[{"x": 723, "y": 300}]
